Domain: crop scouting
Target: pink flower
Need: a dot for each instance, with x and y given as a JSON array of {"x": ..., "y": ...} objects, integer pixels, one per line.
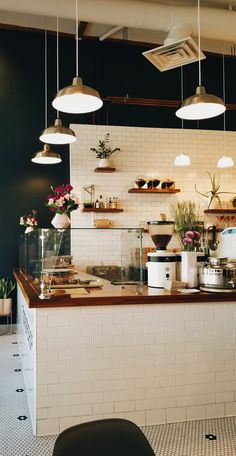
[
  {"x": 187, "y": 240},
  {"x": 189, "y": 234}
]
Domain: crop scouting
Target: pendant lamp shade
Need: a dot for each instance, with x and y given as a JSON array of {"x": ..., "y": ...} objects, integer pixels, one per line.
[
  {"x": 225, "y": 162},
  {"x": 77, "y": 98},
  {"x": 46, "y": 156},
  {"x": 182, "y": 160},
  {"x": 58, "y": 134},
  {"x": 201, "y": 106}
]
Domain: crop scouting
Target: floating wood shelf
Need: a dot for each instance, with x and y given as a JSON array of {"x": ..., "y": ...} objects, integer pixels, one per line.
[
  {"x": 104, "y": 170},
  {"x": 220, "y": 211},
  {"x": 154, "y": 190},
  {"x": 93, "y": 209}
]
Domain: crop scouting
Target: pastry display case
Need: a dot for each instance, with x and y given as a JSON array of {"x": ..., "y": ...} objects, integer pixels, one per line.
[{"x": 80, "y": 258}]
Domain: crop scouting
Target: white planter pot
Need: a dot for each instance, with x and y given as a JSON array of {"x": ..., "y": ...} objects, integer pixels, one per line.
[
  {"x": 29, "y": 229},
  {"x": 5, "y": 306},
  {"x": 104, "y": 163},
  {"x": 60, "y": 221}
]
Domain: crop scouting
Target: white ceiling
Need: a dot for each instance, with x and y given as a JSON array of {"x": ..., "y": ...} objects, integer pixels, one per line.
[{"x": 218, "y": 18}]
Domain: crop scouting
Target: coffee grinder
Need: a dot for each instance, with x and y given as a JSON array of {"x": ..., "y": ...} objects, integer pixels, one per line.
[{"x": 161, "y": 264}]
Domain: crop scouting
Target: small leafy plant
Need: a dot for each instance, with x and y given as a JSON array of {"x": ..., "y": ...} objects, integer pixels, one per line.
[
  {"x": 6, "y": 287},
  {"x": 214, "y": 192},
  {"x": 104, "y": 150}
]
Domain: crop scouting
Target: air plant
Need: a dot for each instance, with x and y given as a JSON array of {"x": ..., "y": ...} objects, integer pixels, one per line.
[{"x": 214, "y": 192}]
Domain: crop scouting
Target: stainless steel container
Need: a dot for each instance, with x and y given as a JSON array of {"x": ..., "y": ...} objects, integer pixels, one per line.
[{"x": 218, "y": 275}]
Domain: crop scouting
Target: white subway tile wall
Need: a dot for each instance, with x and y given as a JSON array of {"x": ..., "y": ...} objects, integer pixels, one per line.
[
  {"x": 141, "y": 377},
  {"x": 148, "y": 152}
]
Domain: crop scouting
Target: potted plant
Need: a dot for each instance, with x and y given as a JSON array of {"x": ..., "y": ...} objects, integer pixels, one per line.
[
  {"x": 214, "y": 200},
  {"x": 6, "y": 287},
  {"x": 187, "y": 222},
  {"x": 104, "y": 151},
  {"x": 29, "y": 221},
  {"x": 61, "y": 202}
]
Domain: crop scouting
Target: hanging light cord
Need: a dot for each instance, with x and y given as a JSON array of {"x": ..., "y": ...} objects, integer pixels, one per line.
[
  {"x": 199, "y": 43},
  {"x": 182, "y": 92},
  {"x": 223, "y": 62},
  {"x": 57, "y": 52},
  {"x": 45, "y": 78},
  {"x": 76, "y": 39}
]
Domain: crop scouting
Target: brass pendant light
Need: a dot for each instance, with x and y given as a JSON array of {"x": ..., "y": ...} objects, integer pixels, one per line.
[
  {"x": 58, "y": 133},
  {"x": 46, "y": 156},
  {"x": 77, "y": 98},
  {"x": 201, "y": 105}
]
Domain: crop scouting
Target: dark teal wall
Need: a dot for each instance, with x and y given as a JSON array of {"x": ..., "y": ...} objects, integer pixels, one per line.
[{"x": 115, "y": 69}]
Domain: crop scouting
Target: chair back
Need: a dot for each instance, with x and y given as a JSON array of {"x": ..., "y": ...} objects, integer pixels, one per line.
[{"x": 108, "y": 437}]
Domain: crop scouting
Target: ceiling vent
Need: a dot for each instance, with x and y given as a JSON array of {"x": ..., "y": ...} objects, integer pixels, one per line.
[{"x": 174, "y": 55}]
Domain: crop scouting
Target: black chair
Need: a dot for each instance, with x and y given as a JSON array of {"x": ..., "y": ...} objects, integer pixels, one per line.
[{"x": 109, "y": 437}]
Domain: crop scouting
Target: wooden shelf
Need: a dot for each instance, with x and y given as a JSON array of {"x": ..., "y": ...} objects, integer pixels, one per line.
[
  {"x": 154, "y": 190},
  {"x": 220, "y": 211},
  {"x": 104, "y": 170},
  {"x": 93, "y": 209}
]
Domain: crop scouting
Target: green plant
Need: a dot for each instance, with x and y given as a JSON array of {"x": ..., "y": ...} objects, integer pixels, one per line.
[
  {"x": 185, "y": 215},
  {"x": 214, "y": 192},
  {"x": 6, "y": 287},
  {"x": 103, "y": 150}
]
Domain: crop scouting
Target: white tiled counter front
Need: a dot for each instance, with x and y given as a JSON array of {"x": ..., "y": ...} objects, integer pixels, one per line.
[{"x": 148, "y": 363}]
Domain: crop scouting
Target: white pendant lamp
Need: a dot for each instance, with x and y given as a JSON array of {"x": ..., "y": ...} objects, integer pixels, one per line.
[
  {"x": 46, "y": 156},
  {"x": 77, "y": 98},
  {"x": 225, "y": 161},
  {"x": 201, "y": 105},
  {"x": 58, "y": 133},
  {"x": 182, "y": 159}
]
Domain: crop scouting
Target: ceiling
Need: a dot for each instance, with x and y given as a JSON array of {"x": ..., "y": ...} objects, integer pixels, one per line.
[{"x": 147, "y": 21}]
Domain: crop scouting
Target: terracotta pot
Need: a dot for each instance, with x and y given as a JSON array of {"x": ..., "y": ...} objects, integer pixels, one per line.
[
  {"x": 60, "y": 221},
  {"x": 5, "y": 306}
]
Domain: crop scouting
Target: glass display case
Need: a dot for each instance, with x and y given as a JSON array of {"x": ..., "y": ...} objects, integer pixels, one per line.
[{"x": 56, "y": 260}]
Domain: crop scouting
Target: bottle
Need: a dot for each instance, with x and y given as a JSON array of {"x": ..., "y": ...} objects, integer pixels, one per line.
[
  {"x": 96, "y": 204},
  {"x": 110, "y": 203},
  {"x": 101, "y": 204},
  {"x": 114, "y": 202},
  {"x": 106, "y": 203}
]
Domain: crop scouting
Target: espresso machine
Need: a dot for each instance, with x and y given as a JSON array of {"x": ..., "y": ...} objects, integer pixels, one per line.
[{"x": 161, "y": 265}]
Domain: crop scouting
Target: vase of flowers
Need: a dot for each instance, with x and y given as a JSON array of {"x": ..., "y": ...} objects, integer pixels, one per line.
[
  {"x": 29, "y": 221},
  {"x": 62, "y": 200},
  {"x": 186, "y": 217},
  {"x": 104, "y": 151}
]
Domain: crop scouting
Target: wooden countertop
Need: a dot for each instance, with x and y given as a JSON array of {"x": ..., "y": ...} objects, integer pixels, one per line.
[{"x": 115, "y": 295}]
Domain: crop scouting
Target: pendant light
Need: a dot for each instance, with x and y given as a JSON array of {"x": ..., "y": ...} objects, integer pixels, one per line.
[
  {"x": 182, "y": 159},
  {"x": 58, "y": 133},
  {"x": 225, "y": 161},
  {"x": 201, "y": 105},
  {"x": 46, "y": 156},
  {"x": 77, "y": 98}
]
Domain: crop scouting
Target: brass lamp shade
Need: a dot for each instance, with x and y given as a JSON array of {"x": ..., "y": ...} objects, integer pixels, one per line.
[
  {"x": 46, "y": 156},
  {"x": 77, "y": 98},
  {"x": 58, "y": 134},
  {"x": 201, "y": 106}
]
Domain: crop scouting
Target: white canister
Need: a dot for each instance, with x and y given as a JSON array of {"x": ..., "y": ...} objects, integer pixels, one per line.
[{"x": 189, "y": 269}]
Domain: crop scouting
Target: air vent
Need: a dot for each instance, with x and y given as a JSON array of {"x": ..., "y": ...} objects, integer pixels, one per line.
[{"x": 174, "y": 55}]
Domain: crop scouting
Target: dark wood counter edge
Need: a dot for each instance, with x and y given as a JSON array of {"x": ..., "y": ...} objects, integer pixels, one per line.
[{"x": 34, "y": 301}]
